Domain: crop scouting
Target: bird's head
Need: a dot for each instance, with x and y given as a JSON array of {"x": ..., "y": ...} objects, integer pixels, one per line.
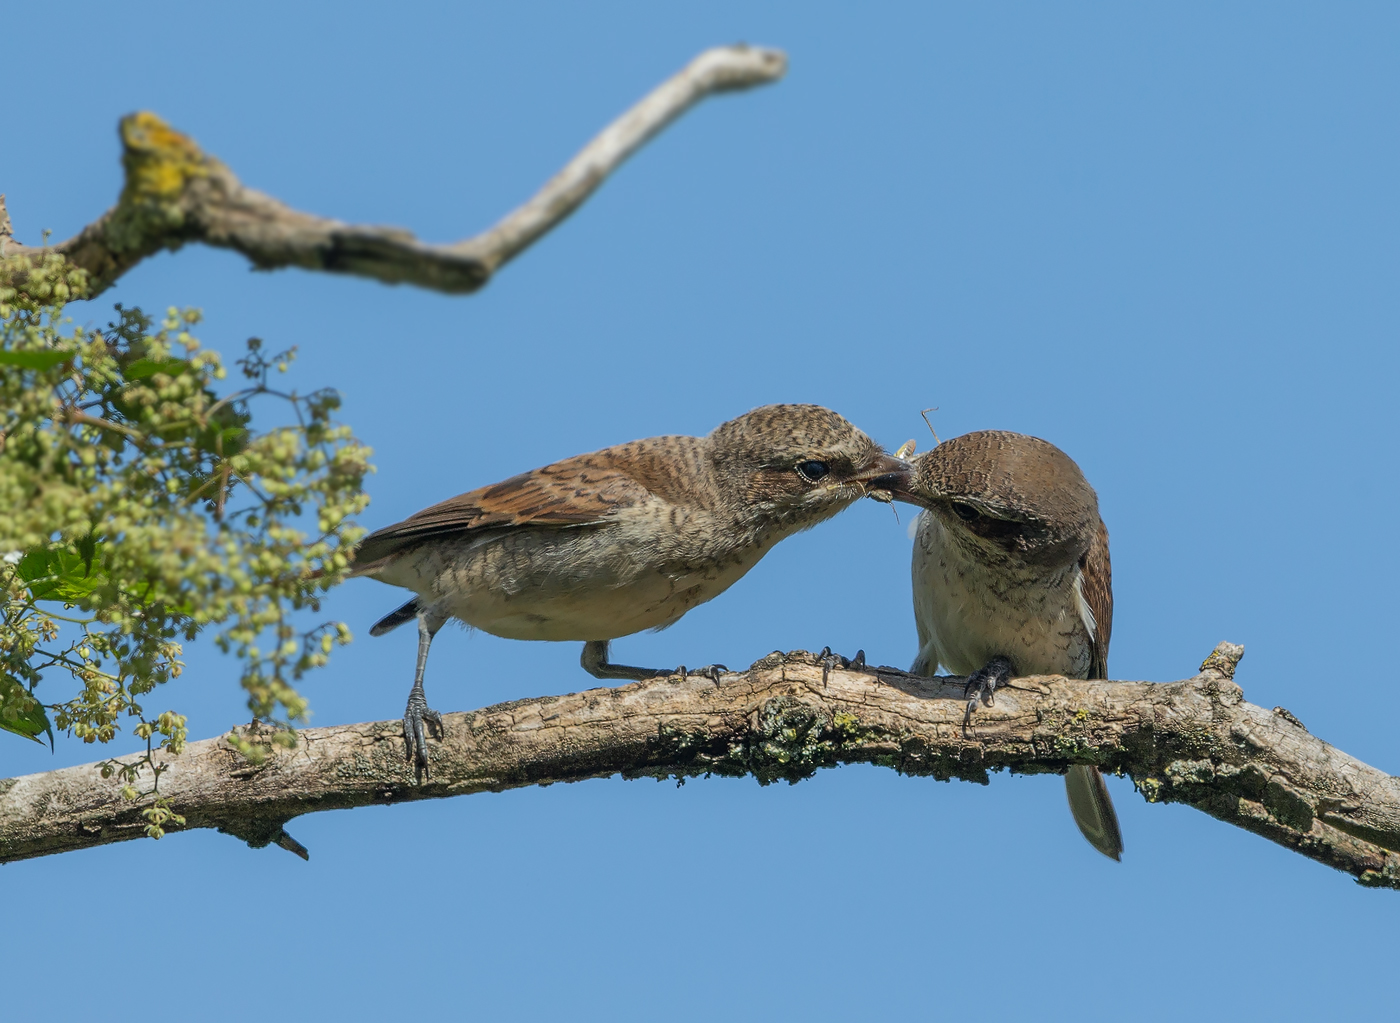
[
  {"x": 1004, "y": 494},
  {"x": 796, "y": 465}
]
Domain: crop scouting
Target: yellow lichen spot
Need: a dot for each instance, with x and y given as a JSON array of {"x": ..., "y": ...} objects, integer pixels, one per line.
[
  {"x": 849, "y": 727},
  {"x": 158, "y": 159}
]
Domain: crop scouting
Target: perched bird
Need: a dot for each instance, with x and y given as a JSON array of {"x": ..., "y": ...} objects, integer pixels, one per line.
[
  {"x": 624, "y": 539},
  {"x": 1011, "y": 578}
]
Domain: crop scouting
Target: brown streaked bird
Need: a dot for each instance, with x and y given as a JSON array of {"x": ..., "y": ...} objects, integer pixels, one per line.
[
  {"x": 628, "y": 538},
  {"x": 1011, "y": 577}
]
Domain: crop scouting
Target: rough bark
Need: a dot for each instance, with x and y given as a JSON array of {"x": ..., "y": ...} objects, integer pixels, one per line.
[
  {"x": 1195, "y": 741},
  {"x": 175, "y": 193}
]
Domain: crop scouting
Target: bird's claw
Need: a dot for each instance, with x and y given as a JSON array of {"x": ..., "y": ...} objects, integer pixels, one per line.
[
  {"x": 709, "y": 671},
  {"x": 982, "y": 685},
  {"x": 414, "y": 736},
  {"x": 829, "y": 660}
]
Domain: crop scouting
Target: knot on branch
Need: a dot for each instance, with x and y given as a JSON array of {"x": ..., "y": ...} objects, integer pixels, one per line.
[
  {"x": 1223, "y": 659},
  {"x": 155, "y": 207},
  {"x": 1217, "y": 677},
  {"x": 793, "y": 738},
  {"x": 159, "y": 161}
]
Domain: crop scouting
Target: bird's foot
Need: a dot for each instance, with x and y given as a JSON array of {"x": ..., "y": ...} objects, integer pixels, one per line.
[
  {"x": 415, "y": 740},
  {"x": 595, "y": 662},
  {"x": 709, "y": 671},
  {"x": 982, "y": 685},
  {"x": 829, "y": 660}
]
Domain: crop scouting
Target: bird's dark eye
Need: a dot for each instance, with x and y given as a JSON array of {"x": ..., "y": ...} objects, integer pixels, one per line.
[
  {"x": 965, "y": 511},
  {"x": 813, "y": 471}
]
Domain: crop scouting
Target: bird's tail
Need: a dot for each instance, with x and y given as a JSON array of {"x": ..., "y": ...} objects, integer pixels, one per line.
[
  {"x": 409, "y": 611},
  {"x": 1091, "y": 805}
]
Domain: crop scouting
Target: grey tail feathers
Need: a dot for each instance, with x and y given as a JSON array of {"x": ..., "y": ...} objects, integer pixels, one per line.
[
  {"x": 1092, "y": 807},
  {"x": 407, "y": 613}
]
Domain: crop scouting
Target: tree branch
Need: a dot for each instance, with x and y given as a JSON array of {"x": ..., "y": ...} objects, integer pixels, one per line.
[
  {"x": 175, "y": 193},
  {"x": 1194, "y": 741}
]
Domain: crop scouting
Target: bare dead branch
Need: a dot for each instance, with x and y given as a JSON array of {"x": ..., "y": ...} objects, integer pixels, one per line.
[
  {"x": 175, "y": 193},
  {"x": 1196, "y": 741}
]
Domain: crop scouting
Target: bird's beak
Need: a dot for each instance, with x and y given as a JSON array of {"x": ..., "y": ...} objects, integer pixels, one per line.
[{"x": 886, "y": 477}]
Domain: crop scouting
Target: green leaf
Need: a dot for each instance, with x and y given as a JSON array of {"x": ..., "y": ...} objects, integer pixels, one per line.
[
  {"x": 43, "y": 358},
  {"x": 21, "y": 713},
  {"x": 62, "y": 573},
  {"x": 142, "y": 368},
  {"x": 70, "y": 575}
]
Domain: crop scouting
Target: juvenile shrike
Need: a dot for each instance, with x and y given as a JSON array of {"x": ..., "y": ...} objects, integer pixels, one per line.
[{"x": 624, "y": 539}]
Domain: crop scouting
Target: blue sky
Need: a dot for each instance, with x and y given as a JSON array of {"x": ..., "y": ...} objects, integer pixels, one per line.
[{"x": 1162, "y": 237}]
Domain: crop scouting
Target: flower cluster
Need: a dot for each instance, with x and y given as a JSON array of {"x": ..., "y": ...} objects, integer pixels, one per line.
[{"x": 140, "y": 506}]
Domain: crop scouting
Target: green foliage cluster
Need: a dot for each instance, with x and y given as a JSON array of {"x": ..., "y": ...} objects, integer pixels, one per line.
[{"x": 138, "y": 506}]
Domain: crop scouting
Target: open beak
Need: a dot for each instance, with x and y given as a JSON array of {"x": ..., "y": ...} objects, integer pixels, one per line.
[{"x": 887, "y": 477}]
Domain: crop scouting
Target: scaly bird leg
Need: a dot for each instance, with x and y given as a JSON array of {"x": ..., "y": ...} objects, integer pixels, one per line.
[
  {"x": 418, "y": 711},
  {"x": 595, "y": 662}
]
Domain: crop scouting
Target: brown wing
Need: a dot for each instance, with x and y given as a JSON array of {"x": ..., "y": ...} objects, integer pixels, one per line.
[
  {"x": 1089, "y": 800},
  {"x": 1098, "y": 594},
  {"x": 578, "y": 491}
]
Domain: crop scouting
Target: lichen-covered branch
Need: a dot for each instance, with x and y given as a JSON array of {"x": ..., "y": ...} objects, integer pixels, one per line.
[
  {"x": 175, "y": 193},
  {"x": 1196, "y": 741}
]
